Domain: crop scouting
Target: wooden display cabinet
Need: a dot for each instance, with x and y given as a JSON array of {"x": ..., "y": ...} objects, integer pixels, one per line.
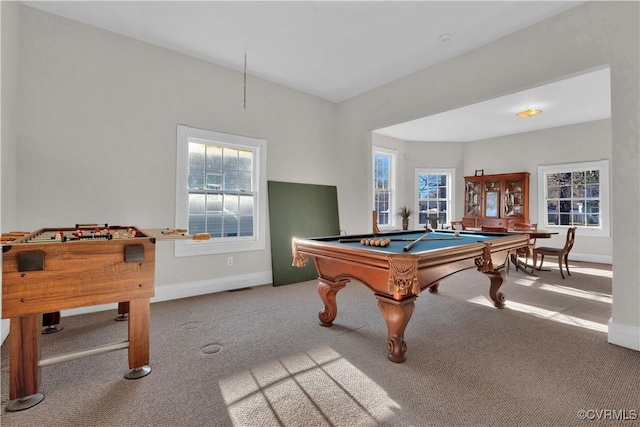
[{"x": 499, "y": 200}]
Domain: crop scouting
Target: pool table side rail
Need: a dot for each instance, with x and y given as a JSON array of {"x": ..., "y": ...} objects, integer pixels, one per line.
[
  {"x": 339, "y": 263},
  {"x": 363, "y": 255}
]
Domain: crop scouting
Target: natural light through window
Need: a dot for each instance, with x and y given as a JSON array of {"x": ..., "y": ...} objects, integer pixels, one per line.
[
  {"x": 318, "y": 387},
  {"x": 575, "y": 195},
  {"x": 220, "y": 190},
  {"x": 594, "y": 296},
  {"x": 434, "y": 195},
  {"x": 564, "y": 307},
  {"x": 544, "y": 314},
  {"x": 384, "y": 185},
  {"x": 580, "y": 293}
]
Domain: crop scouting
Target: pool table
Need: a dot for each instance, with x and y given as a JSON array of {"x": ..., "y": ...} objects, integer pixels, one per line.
[{"x": 398, "y": 272}]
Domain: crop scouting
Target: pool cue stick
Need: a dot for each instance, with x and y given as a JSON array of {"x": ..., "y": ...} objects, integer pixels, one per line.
[
  {"x": 426, "y": 239},
  {"x": 406, "y": 239},
  {"x": 410, "y": 245}
]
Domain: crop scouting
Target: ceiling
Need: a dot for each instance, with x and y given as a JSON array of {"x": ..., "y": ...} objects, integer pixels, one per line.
[
  {"x": 579, "y": 99},
  {"x": 337, "y": 49}
]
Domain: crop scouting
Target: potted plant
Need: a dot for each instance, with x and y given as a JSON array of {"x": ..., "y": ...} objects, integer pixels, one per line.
[{"x": 405, "y": 212}]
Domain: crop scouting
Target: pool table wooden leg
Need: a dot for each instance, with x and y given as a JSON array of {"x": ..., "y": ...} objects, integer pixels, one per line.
[
  {"x": 396, "y": 314},
  {"x": 434, "y": 288},
  {"x": 328, "y": 290},
  {"x": 497, "y": 279}
]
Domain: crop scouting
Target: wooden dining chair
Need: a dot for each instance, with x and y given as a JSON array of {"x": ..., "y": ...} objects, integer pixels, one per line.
[
  {"x": 376, "y": 230},
  {"x": 432, "y": 222},
  {"x": 561, "y": 253},
  {"x": 457, "y": 225},
  {"x": 527, "y": 251}
]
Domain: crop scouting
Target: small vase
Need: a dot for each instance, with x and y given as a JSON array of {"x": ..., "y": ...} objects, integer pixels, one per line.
[{"x": 405, "y": 224}]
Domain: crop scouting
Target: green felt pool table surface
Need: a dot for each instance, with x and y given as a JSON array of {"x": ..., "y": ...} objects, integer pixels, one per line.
[{"x": 430, "y": 241}]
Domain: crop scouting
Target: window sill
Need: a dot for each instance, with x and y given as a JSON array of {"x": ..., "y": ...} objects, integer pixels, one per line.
[{"x": 580, "y": 231}]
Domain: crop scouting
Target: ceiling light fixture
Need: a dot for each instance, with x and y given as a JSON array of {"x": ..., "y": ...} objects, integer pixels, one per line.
[
  {"x": 528, "y": 112},
  {"x": 444, "y": 37}
]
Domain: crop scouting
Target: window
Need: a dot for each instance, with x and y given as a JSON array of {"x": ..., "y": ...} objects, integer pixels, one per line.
[
  {"x": 220, "y": 190},
  {"x": 384, "y": 185},
  {"x": 435, "y": 195},
  {"x": 575, "y": 195}
]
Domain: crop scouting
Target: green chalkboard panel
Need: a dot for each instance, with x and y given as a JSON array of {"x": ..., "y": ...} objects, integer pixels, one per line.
[{"x": 299, "y": 210}]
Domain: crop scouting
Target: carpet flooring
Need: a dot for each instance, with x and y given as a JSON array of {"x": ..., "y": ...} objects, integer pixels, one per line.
[{"x": 258, "y": 357}]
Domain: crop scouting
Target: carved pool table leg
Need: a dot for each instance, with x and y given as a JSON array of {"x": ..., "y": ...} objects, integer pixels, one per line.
[
  {"x": 497, "y": 279},
  {"x": 328, "y": 290},
  {"x": 396, "y": 314}
]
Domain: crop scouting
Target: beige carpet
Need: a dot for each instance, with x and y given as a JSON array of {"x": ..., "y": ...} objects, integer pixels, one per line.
[{"x": 258, "y": 357}]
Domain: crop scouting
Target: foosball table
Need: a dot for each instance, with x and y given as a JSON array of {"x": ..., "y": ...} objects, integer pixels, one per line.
[{"x": 54, "y": 269}]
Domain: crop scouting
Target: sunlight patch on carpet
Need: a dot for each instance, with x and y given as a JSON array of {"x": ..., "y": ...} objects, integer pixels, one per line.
[
  {"x": 318, "y": 387},
  {"x": 525, "y": 281},
  {"x": 595, "y": 296},
  {"x": 592, "y": 271},
  {"x": 545, "y": 314}
]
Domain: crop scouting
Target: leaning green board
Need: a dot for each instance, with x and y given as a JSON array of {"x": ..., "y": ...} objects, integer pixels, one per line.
[{"x": 299, "y": 210}]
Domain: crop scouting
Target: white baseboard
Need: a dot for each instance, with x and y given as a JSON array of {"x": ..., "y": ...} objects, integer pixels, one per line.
[
  {"x": 624, "y": 335},
  {"x": 203, "y": 287},
  {"x": 600, "y": 259}
]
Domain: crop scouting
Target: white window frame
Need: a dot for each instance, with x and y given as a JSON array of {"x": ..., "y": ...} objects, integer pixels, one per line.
[
  {"x": 393, "y": 186},
  {"x": 190, "y": 247},
  {"x": 605, "y": 210},
  {"x": 451, "y": 179}
]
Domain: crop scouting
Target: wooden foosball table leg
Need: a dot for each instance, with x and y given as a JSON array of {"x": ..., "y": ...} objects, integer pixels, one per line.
[
  {"x": 139, "y": 327},
  {"x": 51, "y": 323},
  {"x": 123, "y": 311},
  {"x": 24, "y": 373}
]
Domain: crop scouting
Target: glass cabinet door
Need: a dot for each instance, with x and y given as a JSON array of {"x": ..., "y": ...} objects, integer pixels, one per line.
[
  {"x": 492, "y": 199},
  {"x": 514, "y": 198},
  {"x": 473, "y": 198}
]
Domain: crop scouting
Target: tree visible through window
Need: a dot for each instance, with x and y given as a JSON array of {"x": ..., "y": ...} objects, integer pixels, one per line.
[
  {"x": 384, "y": 166},
  {"x": 575, "y": 195},
  {"x": 434, "y": 195},
  {"x": 573, "y": 198}
]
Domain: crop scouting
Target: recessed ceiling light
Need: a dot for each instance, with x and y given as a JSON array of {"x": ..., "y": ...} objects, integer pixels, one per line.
[
  {"x": 444, "y": 37},
  {"x": 528, "y": 112}
]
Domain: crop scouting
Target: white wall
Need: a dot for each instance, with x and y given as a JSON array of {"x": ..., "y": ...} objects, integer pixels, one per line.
[
  {"x": 97, "y": 136},
  {"x": 9, "y": 40},
  {"x": 590, "y": 36}
]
